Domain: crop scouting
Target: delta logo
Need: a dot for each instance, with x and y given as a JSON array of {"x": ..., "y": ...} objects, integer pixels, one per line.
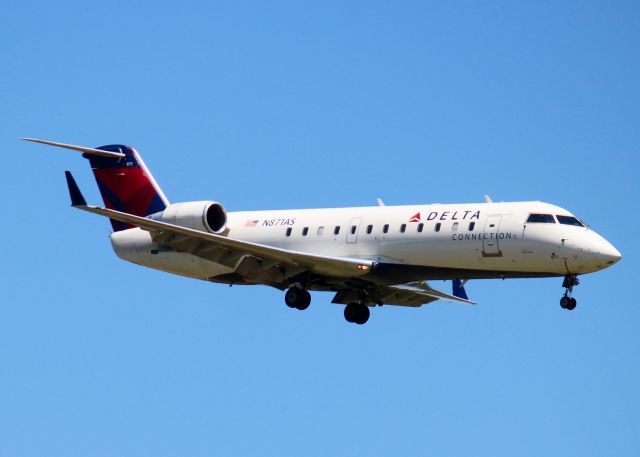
[{"x": 447, "y": 216}]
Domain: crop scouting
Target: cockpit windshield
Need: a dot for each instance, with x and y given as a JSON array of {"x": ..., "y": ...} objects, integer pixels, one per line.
[
  {"x": 543, "y": 218},
  {"x": 569, "y": 220}
]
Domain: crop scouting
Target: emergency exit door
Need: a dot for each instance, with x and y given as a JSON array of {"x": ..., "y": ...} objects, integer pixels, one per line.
[{"x": 352, "y": 230}]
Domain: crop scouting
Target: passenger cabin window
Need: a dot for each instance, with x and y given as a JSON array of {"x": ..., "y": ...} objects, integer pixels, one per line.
[
  {"x": 420, "y": 227},
  {"x": 543, "y": 218},
  {"x": 305, "y": 231},
  {"x": 403, "y": 227},
  {"x": 336, "y": 230},
  {"x": 569, "y": 220},
  {"x": 288, "y": 232},
  {"x": 353, "y": 229},
  {"x": 320, "y": 230},
  {"x": 369, "y": 229},
  {"x": 438, "y": 225},
  {"x": 472, "y": 225},
  {"x": 385, "y": 229},
  {"x": 454, "y": 227}
]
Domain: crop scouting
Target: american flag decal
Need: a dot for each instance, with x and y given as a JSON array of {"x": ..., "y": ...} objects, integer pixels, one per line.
[{"x": 251, "y": 223}]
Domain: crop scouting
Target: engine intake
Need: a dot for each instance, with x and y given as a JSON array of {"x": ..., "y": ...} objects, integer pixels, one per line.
[{"x": 206, "y": 216}]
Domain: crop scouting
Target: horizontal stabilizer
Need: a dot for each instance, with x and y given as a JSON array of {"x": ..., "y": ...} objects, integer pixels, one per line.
[
  {"x": 74, "y": 191},
  {"x": 90, "y": 151}
]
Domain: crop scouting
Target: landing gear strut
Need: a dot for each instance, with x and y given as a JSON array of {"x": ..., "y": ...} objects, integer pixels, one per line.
[
  {"x": 356, "y": 313},
  {"x": 567, "y": 301},
  {"x": 297, "y": 298}
]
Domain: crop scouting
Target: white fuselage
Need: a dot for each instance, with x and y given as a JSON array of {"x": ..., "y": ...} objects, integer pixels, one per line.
[{"x": 475, "y": 240}]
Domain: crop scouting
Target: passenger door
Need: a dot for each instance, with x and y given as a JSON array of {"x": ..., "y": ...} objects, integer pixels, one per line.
[{"x": 490, "y": 243}]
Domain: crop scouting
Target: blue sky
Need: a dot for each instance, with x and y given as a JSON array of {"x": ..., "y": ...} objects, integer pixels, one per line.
[{"x": 263, "y": 105}]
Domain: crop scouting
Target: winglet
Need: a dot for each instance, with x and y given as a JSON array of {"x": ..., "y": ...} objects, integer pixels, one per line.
[
  {"x": 458, "y": 289},
  {"x": 74, "y": 191}
]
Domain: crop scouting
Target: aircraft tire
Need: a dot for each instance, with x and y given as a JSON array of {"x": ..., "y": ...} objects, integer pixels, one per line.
[
  {"x": 295, "y": 296},
  {"x": 572, "y": 304},
  {"x": 351, "y": 312},
  {"x": 356, "y": 313},
  {"x": 363, "y": 314},
  {"x": 564, "y": 302},
  {"x": 304, "y": 300}
]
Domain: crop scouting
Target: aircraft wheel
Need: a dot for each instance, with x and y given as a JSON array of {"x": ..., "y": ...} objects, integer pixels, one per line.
[
  {"x": 363, "y": 314},
  {"x": 356, "y": 313},
  {"x": 297, "y": 298},
  {"x": 351, "y": 312},
  {"x": 572, "y": 304},
  {"x": 305, "y": 300},
  {"x": 564, "y": 301}
]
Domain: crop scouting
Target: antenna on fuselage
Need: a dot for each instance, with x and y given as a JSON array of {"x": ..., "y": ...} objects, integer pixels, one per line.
[
  {"x": 380, "y": 202},
  {"x": 487, "y": 199}
]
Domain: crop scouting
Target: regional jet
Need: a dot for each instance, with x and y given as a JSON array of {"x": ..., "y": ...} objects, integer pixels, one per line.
[{"x": 367, "y": 256}]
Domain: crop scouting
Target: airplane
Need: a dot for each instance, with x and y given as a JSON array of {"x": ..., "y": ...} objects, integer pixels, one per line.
[{"x": 367, "y": 256}]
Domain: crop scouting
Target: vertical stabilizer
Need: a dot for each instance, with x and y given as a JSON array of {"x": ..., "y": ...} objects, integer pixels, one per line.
[{"x": 126, "y": 184}]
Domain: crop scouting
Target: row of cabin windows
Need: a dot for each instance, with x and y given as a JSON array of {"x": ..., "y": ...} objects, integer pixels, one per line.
[
  {"x": 533, "y": 218},
  {"x": 549, "y": 219},
  {"x": 385, "y": 228}
]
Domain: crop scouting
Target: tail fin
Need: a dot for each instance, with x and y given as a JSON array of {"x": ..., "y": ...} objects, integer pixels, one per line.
[
  {"x": 124, "y": 180},
  {"x": 126, "y": 184}
]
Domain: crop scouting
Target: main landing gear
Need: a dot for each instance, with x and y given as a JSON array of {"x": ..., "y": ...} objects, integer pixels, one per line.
[
  {"x": 567, "y": 301},
  {"x": 356, "y": 313},
  {"x": 298, "y": 298}
]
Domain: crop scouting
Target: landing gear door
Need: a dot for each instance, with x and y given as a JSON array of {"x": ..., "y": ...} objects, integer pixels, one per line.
[
  {"x": 352, "y": 230},
  {"x": 490, "y": 243}
]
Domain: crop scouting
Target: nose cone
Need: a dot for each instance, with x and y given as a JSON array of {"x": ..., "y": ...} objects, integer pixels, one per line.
[
  {"x": 608, "y": 254},
  {"x": 602, "y": 252}
]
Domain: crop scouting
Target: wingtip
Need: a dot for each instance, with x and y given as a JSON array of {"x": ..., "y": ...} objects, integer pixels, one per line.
[{"x": 74, "y": 191}]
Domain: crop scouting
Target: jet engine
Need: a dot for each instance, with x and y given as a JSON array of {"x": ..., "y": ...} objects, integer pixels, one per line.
[{"x": 206, "y": 216}]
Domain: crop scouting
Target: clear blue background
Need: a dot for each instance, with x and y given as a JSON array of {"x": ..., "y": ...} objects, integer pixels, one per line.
[{"x": 264, "y": 105}]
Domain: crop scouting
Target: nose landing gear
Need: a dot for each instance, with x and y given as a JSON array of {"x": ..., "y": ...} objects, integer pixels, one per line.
[{"x": 567, "y": 301}]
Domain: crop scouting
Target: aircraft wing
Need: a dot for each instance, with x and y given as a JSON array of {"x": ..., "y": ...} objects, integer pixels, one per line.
[
  {"x": 412, "y": 294},
  {"x": 417, "y": 294},
  {"x": 269, "y": 264},
  {"x": 263, "y": 263}
]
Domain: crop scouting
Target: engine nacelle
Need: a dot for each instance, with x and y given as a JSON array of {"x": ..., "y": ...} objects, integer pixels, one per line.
[{"x": 206, "y": 216}]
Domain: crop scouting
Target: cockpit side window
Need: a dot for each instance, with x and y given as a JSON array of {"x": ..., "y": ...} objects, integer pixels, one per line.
[
  {"x": 544, "y": 218},
  {"x": 569, "y": 220}
]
